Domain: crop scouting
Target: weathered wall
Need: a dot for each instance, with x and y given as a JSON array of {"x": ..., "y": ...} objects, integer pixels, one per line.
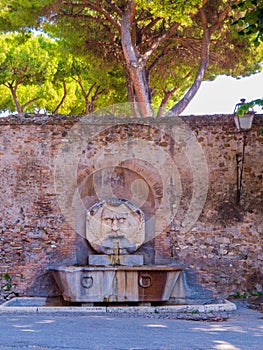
[{"x": 223, "y": 249}]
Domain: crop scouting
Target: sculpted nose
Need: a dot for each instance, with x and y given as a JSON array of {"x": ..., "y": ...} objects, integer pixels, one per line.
[{"x": 115, "y": 225}]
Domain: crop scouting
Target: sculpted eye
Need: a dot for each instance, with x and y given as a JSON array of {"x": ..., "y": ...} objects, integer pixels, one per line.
[
  {"x": 122, "y": 220},
  {"x": 108, "y": 221}
]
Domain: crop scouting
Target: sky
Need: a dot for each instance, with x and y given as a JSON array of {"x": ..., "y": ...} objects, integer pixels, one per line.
[{"x": 221, "y": 95}]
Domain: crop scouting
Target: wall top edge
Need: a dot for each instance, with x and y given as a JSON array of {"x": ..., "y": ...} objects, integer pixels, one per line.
[{"x": 37, "y": 119}]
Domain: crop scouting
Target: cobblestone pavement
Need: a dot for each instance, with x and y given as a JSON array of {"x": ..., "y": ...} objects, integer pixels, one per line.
[{"x": 242, "y": 330}]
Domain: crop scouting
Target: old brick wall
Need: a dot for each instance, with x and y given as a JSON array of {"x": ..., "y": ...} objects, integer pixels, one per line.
[
  {"x": 223, "y": 249},
  {"x": 228, "y": 236},
  {"x": 32, "y": 229}
]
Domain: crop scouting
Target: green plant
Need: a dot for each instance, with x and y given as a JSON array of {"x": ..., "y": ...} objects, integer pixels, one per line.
[
  {"x": 194, "y": 312},
  {"x": 246, "y": 107},
  {"x": 7, "y": 286},
  {"x": 246, "y": 295},
  {"x": 238, "y": 295}
]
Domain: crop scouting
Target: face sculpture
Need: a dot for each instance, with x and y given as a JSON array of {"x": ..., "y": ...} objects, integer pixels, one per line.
[{"x": 115, "y": 225}]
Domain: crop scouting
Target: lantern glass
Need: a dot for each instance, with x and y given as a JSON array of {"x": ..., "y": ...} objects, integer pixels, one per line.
[{"x": 244, "y": 123}]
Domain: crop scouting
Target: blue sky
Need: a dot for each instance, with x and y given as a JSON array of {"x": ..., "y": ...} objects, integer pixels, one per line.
[{"x": 221, "y": 95}]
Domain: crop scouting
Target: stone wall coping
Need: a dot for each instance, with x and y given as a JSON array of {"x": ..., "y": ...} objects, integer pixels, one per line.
[{"x": 193, "y": 120}]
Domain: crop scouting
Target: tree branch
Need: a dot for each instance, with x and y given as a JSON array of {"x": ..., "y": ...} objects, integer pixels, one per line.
[
  {"x": 28, "y": 103},
  {"x": 221, "y": 18},
  {"x": 90, "y": 89},
  {"x": 150, "y": 25},
  {"x": 115, "y": 7},
  {"x": 98, "y": 8},
  {"x": 159, "y": 40},
  {"x": 110, "y": 35},
  {"x": 76, "y": 15},
  {"x": 94, "y": 98},
  {"x": 182, "y": 104},
  {"x": 63, "y": 97},
  {"x": 168, "y": 95},
  {"x": 157, "y": 59}
]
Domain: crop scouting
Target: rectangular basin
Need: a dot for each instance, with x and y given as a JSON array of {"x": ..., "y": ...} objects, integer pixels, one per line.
[{"x": 116, "y": 284}]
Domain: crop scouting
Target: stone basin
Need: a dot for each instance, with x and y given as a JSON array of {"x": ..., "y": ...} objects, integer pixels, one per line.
[{"x": 88, "y": 284}]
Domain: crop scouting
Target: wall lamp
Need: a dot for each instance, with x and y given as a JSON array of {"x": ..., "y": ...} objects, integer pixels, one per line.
[{"x": 243, "y": 124}]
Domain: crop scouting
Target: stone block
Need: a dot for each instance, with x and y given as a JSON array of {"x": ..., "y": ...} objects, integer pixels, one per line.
[{"x": 108, "y": 260}]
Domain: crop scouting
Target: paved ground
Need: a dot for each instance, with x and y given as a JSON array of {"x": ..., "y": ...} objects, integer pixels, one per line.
[{"x": 243, "y": 330}]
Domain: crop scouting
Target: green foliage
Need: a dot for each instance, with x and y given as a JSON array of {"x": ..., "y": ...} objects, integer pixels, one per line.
[
  {"x": 195, "y": 312},
  {"x": 245, "y": 107},
  {"x": 36, "y": 70},
  {"x": 7, "y": 285},
  {"x": 257, "y": 294},
  {"x": 87, "y": 48},
  {"x": 239, "y": 295},
  {"x": 27, "y": 61},
  {"x": 176, "y": 69},
  {"x": 175, "y": 11},
  {"x": 246, "y": 295},
  {"x": 25, "y": 58},
  {"x": 250, "y": 22},
  {"x": 18, "y": 14}
]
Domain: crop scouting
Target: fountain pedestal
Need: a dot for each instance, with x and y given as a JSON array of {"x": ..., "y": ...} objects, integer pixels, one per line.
[
  {"x": 116, "y": 228},
  {"x": 116, "y": 283}
]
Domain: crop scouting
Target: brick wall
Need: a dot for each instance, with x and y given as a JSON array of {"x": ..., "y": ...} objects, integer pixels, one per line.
[{"x": 223, "y": 249}]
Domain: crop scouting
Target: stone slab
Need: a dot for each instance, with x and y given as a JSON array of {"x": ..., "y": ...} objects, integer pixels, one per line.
[
  {"x": 108, "y": 260},
  {"x": 8, "y": 307}
]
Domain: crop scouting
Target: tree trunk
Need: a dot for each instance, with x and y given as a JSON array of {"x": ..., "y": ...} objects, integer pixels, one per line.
[
  {"x": 135, "y": 66},
  {"x": 86, "y": 97},
  {"x": 131, "y": 96},
  {"x": 183, "y": 103},
  {"x": 15, "y": 99},
  {"x": 94, "y": 98},
  {"x": 204, "y": 61}
]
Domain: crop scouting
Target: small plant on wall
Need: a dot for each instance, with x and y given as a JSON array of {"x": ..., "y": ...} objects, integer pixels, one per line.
[
  {"x": 247, "y": 107},
  {"x": 5, "y": 284}
]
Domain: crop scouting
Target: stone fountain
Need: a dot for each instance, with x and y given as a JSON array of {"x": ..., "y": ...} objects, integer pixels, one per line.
[{"x": 115, "y": 229}]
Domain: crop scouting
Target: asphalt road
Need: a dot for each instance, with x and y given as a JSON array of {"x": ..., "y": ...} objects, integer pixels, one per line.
[{"x": 244, "y": 330}]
